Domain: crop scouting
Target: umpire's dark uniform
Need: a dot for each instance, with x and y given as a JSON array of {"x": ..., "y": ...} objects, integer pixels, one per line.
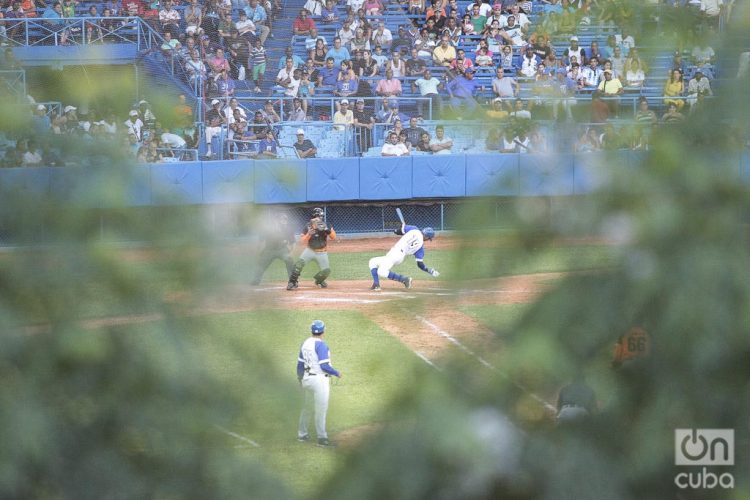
[{"x": 278, "y": 243}]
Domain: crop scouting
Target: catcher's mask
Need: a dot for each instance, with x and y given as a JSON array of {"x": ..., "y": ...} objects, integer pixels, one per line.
[{"x": 318, "y": 212}]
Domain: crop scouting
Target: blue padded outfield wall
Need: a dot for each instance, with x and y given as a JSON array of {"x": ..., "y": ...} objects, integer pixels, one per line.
[{"x": 337, "y": 180}]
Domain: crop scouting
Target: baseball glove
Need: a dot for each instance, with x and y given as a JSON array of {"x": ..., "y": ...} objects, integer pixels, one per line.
[{"x": 319, "y": 225}]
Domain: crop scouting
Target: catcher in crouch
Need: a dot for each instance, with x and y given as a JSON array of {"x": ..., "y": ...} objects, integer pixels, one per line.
[
  {"x": 315, "y": 237},
  {"x": 411, "y": 243}
]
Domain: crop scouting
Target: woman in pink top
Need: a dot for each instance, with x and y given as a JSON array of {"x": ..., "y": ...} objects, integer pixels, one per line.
[{"x": 374, "y": 7}]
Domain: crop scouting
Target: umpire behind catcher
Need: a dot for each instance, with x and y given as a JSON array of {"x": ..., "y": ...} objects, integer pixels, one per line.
[
  {"x": 315, "y": 235},
  {"x": 278, "y": 243}
]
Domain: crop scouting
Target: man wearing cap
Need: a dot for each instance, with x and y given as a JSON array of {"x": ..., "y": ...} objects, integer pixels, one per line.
[
  {"x": 313, "y": 372},
  {"x": 497, "y": 112},
  {"x": 497, "y": 15},
  {"x": 462, "y": 90},
  {"x": 344, "y": 117},
  {"x": 574, "y": 50},
  {"x": 347, "y": 86},
  {"x": 40, "y": 121},
  {"x": 133, "y": 124},
  {"x": 364, "y": 122},
  {"x": 305, "y": 148},
  {"x": 214, "y": 119}
]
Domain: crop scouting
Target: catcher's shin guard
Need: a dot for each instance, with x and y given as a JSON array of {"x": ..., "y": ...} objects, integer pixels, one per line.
[
  {"x": 321, "y": 276},
  {"x": 294, "y": 276}
]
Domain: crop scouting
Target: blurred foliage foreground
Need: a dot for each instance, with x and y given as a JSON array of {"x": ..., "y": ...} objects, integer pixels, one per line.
[{"x": 102, "y": 414}]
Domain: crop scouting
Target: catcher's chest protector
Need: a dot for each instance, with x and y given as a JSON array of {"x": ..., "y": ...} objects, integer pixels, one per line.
[{"x": 318, "y": 235}]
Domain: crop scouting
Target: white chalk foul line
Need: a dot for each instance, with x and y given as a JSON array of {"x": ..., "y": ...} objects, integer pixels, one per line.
[
  {"x": 318, "y": 298},
  {"x": 238, "y": 436},
  {"x": 483, "y": 361},
  {"x": 424, "y": 358}
]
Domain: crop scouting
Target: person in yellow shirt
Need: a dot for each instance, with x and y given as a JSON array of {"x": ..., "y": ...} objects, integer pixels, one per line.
[
  {"x": 673, "y": 88},
  {"x": 497, "y": 112},
  {"x": 444, "y": 54},
  {"x": 610, "y": 88}
]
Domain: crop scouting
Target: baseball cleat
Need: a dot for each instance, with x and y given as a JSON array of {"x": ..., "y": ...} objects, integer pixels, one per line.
[
  {"x": 407, "y": 282},
  {"x": 322, "y": 284},
  {"x": 325, "y": 443},
  {"x": 303, "y": 439},
  {"x": 291, "y": 285},
  {"x": 375, "y": 288}
]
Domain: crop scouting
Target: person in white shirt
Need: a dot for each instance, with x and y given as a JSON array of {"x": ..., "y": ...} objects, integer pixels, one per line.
[
  {"x": 229, "y": 111},
  {"x": 346, "y": 33},
  {"x": 394, "y": 148},
  {"x": 592, "y": 74},
  {"x": 134, "y": 124},
  {"x": 382, "y": 36},
  {"x": 314, "y": 7},
  {"x": 441, "y": 144},
  {"x": 428, "y": 86}
]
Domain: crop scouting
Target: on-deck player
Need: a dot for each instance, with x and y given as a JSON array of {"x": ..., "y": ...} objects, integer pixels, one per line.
[{"x": 411, "y": 243}]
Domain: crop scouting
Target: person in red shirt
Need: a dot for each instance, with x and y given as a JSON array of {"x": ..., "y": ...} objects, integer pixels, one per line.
[
  {"x": 132, "y": 7},
  {"x": 303, "y": 24}
]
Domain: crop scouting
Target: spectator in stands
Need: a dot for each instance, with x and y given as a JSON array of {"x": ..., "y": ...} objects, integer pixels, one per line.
[
  {"x": 360, "y": 42},
  {"x": 169, "y": 19},
  {"x": 297, "y": 113},
  {"x": 304, "y": 147},
  {"x": 711, "y": 11},
  {"x": 678, "y": 63},
  {"x": 423, "y": 145},
  {"x": 674, "y": 87},
  {"x": 592, "y": 75},
  {"x": 574, "y": 50},
  {"x": 462, "y": 90},
  {"x": 634, "y": 57},
  {"x": 416, "y": 7},
  {"x": 698, "y": 86},
  {"x": 379, "y": 57},
  {"x": 402, "y": 43},
  {"x": 388, "y": 86},
  {"x": 170, "y": 46},
  {"x": 133, "y": 124},
  {"x": 565, "y": 90},
  {"x": 635, "y": 76},
  {"x": 347, "y": 86},
  {"x": 521, "y": 18},
  {"x": 672, "y": 115},
  {"x": 328, "y": 74},
  {"x": 588, "y": 142},
  {"x": 529, "y": 63},
  {"x": 41, "y": 123},
  {"x": 461, "y": 63},
  {"x": 232, "y": 109},
  {"x": 619, "y": 61},
  {"x": 318, "y": 53},
  {"x": 214, "y": 120},
  {"x": 346, "y": 68},
  {"x": 311, "y": 42},
  {"x": 257, "y": 14},
  {"x": 441, "y": 144},
  {"x": 703, "y": 58},
  {"x": 645, "y": 115},
  {"x": 344, "y": 117},
  {"x": 145, "y": 114},
  {"x": 314, "y": 7},
  {"x": 611, "y": 88},
  {"x": 259, "y": 60},
  {"x": 364, "y": 122},
  {"x": 429, "y": 87},
  {"x": 445, "y": 53},
  {"x": 599, "y": 109},
  {"x": 297, "y": 61},
  {"x": 382, "y": 36},
  {"x": 496, "y": 112},
  {"x": 218, "y": 62},
  {"x": 267, "y": 148},
  {"x": 595, "y": 52},
  {"x": 414, "y": 131},
  {"x": 374, "y": 7},
  {"x": 397, "y": 65},
  {"x": 520, "y": 111},
  {"x": 32, "y": 157},
  {"x": 346, "y": 33},
  {"x": 224, "y": 84},
  {"x": 415, "y": 66},
  {"x": 392, "y": 147},
  {"x": 269, "y": 113},
  {"x": 285, "y": 76},
  {"x": 513, "y": 33},
  {"x": 338, "y": 52},
  {"x": 366, "y": 66},
  {"x": 174, "y": 143},
  {"x": 239, "y": 53},
  {"x": 194, "y": 18},
  {"x": 477, "y": 19},
  {"x": 328, "y": 15}
]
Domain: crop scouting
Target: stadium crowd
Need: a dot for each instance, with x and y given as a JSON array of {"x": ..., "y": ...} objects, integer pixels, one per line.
[{"x": 376, "y": 66}]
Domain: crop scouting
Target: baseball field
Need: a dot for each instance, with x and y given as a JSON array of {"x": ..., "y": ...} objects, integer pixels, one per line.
[{"x": 385, "y": 343}]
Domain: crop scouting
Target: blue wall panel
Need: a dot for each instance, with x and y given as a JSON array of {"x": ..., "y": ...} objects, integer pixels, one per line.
[
  {"x": 176, "y": 183},
  {"x": 438, "y": 176},
  {"x": 385, "y": 178},
  {"x": 33, "y": 181},
  {"x": 546, "y": 175},
  {"x": 597, "y": 170},
  {"x": 229, "y": 181},
  {"x": 492, "y": 175},
  {"x": 108, "y": 53},
  {"x": 280, "y": 181},
  {"x": 332, "y": 179}
]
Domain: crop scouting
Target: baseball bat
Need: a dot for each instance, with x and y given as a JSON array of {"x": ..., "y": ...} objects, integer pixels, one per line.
[{"x": 400, "y": 216}]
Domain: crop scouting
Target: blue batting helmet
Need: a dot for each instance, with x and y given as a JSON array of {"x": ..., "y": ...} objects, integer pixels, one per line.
[
  {"x": 428, "y": 233},
  {"x": 318, "y": 327}
]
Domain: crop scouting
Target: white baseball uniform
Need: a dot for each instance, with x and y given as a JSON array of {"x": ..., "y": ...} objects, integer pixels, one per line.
[
  {"x": 315, "y": 382},
  {"x": 411, "y": 243}
]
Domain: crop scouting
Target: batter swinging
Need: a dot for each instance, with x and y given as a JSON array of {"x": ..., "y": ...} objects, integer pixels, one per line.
[{"x": 411, "y": 243}]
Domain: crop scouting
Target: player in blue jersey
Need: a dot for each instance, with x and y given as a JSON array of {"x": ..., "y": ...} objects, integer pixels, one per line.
[
  {"x": 411, "y": 243},
  {"x": 313, "y": 372}
]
